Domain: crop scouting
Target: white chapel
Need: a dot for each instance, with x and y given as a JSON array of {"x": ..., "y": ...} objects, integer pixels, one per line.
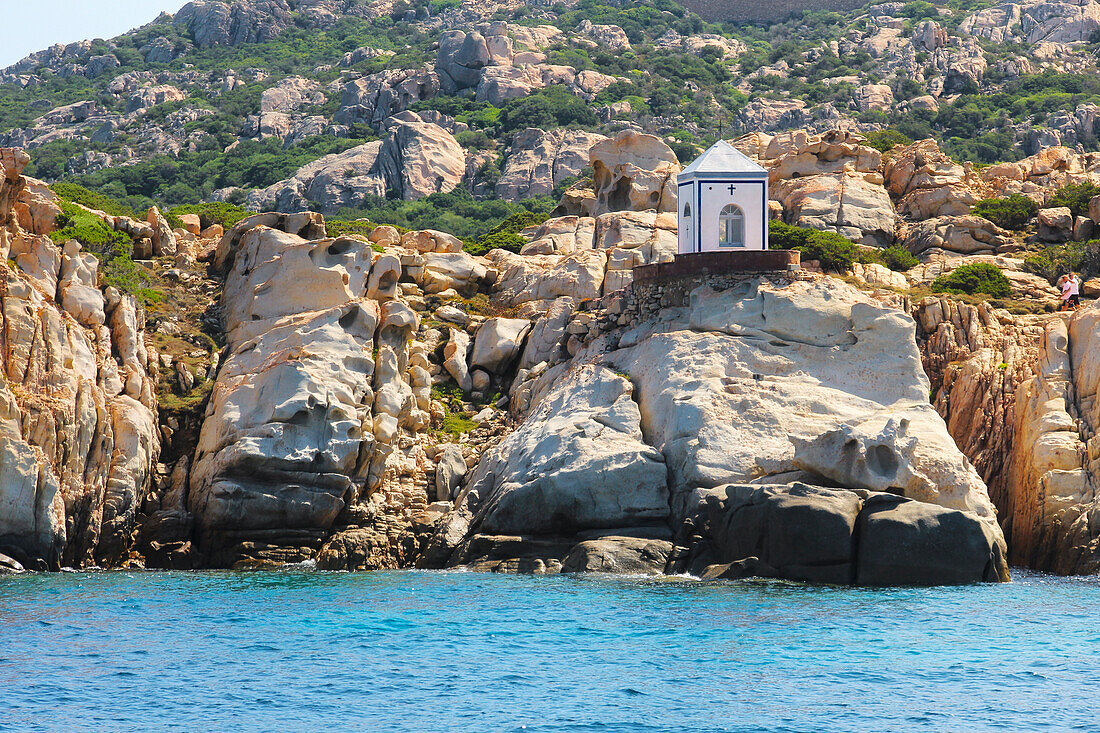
[{"x": 722, "y": 202}]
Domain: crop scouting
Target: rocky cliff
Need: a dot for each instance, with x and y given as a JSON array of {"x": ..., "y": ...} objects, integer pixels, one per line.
[
  {"x": 387, "y": 399},
  {"x": 79, "y": 443},
  {"x": 755, "y": 383}
]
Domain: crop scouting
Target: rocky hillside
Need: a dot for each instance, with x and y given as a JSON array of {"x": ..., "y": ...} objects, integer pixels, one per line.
[
  {"x": 78, "y": 443},
  {"x": 357, "y": 108},
  {"x": 427, "y": 347},
  {"x": 390, "y": 400}
]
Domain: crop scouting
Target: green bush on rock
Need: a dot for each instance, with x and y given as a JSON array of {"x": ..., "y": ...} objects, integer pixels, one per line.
[
  {"x": 898, "y": 258},
  {"x": 215, "y": 212},
  {"x": 505, "y": 235},
  {"x": 91, "y": 199},
  {"x": 1053, "y": 262},
  {"x": 1076, "y": 196},
  {"x": 1012, "y": 212},
  {"x": 834, "y": 252},
  {"x": 982, "y": 278},
  {"x": 883, "y": 140},
  {"x": 113, "y": 249}
]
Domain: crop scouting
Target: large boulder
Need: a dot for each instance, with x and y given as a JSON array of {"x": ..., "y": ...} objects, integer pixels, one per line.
[
  {"x": 848, "y": 204},
  {"x": 534, "y": 280},
  {"x": 562, "y": 235},
  {"x": 928, "y": 183},
  {"x": 1055, "y": 224},
  {"x": 537, "y": 161},
  {"x": 632, "y": 172},
  {"x": 904, "y": 542},
  {"x": 498, "y": 343},
  {"x": 964, "y": 235},
  {"x": 421, "y": 158},
  {"x": 164, "y": 240},
  {"x": 579, "y": 462},
  {"x": 619, "y": 555},
  {"x": 460, "y": 58},
  {"x": 809, "y": 533}
]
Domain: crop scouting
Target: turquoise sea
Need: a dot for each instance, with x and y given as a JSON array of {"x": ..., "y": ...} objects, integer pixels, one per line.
[{"x": 457, "y": 651}]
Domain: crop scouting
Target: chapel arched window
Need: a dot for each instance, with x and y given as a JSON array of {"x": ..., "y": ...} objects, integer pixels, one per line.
[{"x": 731, "y": 226}]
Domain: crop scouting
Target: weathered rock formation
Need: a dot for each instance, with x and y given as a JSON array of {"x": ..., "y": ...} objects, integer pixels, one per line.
[
  {"x": 416, "y": 159},
  {"x": 78, "y": 440},
  {"x": 618, "y": 443},
  {"x": 538, "y": 161},
  {"x": 632, "y": 172},
  {"x": 1051, "y": 501}
]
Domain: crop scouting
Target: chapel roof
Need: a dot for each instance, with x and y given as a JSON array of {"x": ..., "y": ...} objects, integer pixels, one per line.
[{"x": 722, "y": 158}]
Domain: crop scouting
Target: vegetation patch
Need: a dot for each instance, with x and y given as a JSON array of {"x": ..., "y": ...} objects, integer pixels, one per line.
[
  {"x": 1011, "y": 212},
  {"x": 835, "y": 252},
  {"x": 883, "y": 140},
  {"x": 1053, "y": 262},
  {"x": 505, "y": 235},
  {"x": 215, "y": 212},
  {"x": 973, "y": 279},
  {"x": 80, "y": 195},
  {"x": 898, "y": 258},
  {"x": 113, "y": 249},
  {"x": 456, "y": 212},
  {"x": 1076, "y": 197}
]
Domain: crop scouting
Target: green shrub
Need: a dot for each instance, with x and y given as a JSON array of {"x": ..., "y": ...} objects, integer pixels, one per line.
[
  {"x": 1076, "y": 196},
  {"x": 75, "y": 223},
  {"x": 91, "y": 199},
  {"x": 552, "y": 106},
  {"x": 500, "y": 240},
  {"x": 173, "y": 219},
  {"x": 457, "y": 212},
  {"x": 505, "y": 235},
  {"x": 114, "y": 250},
  {"x": 981, "y": 278},
  {"x": 1011, "y": 212},
  {"x": 898, "y": 258},
  {"x": 1053, "y": 262},
  {"x": 834, "y": 252},
  {"x": 215, "y": 212},
  {"x": 340, "y": 227},
  {"x": 883, "y": 140}
]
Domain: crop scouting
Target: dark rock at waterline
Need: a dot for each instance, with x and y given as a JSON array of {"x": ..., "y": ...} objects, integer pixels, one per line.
[
  {"x": 904, "y": 542},
  {"x": 750, "y": 567},
  {"x": 809, "y": 533},
  {"x": 623, "y": 555}
]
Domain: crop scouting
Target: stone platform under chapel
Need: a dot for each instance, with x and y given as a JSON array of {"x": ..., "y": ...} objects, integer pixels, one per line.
[{"x": 720, "y": 263}]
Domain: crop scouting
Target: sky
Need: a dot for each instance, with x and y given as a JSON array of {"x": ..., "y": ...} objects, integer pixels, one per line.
[{"x": 32, "y": 25}]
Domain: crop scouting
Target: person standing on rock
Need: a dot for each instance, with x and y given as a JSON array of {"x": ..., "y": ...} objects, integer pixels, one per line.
[{"x": 1071, "y": 292}]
